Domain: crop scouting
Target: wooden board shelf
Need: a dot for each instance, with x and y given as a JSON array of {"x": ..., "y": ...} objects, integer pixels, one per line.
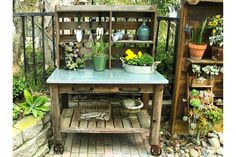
[
  {"x": 203, "y": 61},
  {"x": 118, "y": 123},
  {"x": 133, "y": 42}
]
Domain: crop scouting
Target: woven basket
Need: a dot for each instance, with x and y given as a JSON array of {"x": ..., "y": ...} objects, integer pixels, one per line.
[{"x": 94, "y": 110}]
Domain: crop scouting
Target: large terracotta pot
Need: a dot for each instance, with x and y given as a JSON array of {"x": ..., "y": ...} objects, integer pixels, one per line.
[
  {"x": 217, "y": 53},
  {"x": 197, "y": 51}
]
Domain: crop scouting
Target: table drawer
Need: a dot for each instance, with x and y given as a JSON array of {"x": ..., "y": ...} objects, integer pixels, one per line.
[{"x": 106, "y": 88}]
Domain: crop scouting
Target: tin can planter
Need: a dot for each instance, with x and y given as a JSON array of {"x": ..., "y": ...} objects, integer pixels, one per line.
[
  {"x": 197, "y": 51},
  {"x": 140, "y": 69},
  {"x": 217, "y": 53}
]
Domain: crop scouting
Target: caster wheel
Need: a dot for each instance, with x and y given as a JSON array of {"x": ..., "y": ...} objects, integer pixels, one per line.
[
  {"x": 155, "y": 150},
  {"x": 58, "y": 148}
]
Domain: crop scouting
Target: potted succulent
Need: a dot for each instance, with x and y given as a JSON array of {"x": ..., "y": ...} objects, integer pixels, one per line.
[
  {"x": 204, "y": 75},
  {"x": 73, "y": 58},
  {"x": 196, "y": 45},
  {"x": 203, "y": 115},
  {"x": 99, "y": 55},
  {"x": 216, "y": 38},
  {"x": 141, "y": 63}
]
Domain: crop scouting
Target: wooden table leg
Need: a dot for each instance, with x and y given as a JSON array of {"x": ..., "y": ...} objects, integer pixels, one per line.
[
  {"x": 156, "y": 119},
  {"x": 56, "y": 118},
  {"x": 145, "y": 99}
]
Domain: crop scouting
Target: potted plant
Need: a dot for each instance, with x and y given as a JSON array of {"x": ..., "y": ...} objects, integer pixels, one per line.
[
  {"x": 204, "y": 75},
  {"x": 141, "y": 63},
  {"x": 99, "y": 55},
  {"x": 203, "y": 115},
  {"x": 196, "y": 45},
  {"x": 216, "y": 38}
]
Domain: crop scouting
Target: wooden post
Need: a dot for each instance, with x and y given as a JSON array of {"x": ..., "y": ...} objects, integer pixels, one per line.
[
  {"x": 156, "y": 114},
  {"x": 145, "y": 99},
  {"x": 55, "y": 113},
  {"x": 178, "y": 68}
]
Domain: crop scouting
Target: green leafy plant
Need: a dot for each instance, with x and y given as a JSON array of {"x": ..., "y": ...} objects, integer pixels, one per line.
[
  {"x": 19, "y": 85},
  {"x": 17, "y": 112},
  {"x": 194, "y": 93},
  {"x": 100, "y": 48},
  {"x": 140, "y": 59},
  {"x": 197, "y": 34},
  {"x": 34, "y": 105}
]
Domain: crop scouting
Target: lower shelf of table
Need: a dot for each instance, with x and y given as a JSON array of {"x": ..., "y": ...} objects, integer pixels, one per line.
[{"x": 118, "y": 123}]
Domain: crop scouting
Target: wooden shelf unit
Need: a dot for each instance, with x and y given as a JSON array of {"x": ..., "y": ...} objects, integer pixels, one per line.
[{"x": 126, "y": 19}]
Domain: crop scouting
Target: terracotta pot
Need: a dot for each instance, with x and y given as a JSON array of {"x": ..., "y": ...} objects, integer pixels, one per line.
[
  {"x": 217, "y": 53},
  {"x": 197, "y": 51}
]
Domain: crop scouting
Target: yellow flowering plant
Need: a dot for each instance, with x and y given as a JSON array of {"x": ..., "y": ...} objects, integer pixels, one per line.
[
  {"x": 139, "y": 59},
  {"x": 216, "y": 24}
]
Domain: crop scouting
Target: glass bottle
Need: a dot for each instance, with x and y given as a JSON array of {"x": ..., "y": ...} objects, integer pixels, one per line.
[{"x": 143, "y": 32}]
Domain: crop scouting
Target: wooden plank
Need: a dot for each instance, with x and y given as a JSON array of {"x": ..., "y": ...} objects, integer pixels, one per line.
[
  {"x": 133, "y": 42},
  {"x": 83, "y": 123},
  {"x": 91, "y": 124},
  {"x": 156, "y": 114},
  {"x": 76, "y": 144},
  {"x": 110, "y": 123},
  {"x": 75, "y": 121},
  {"x": 204, "y": 61},
  {"x": 179, "y": 59},
  {"x": 126, "y": 122},
  {"x": 127, "y": 25},
  {"x": 104, "y": 8},
  {"x": 66, "y": 118},
  {"x": 134, "y": 122},
  {"x": 100, "y": 124},
  {"x": 143, "y": 120},
  {"x": 84, "y": 25},
  {"x": 117, "y": 119},
  {"x": 68, "y": 143},
  {"x": 83, "y": 14},
  {"x": 84, "y": 144},
  {"x": 92, "y": 142},
  {"x": 104, "y": 130}
]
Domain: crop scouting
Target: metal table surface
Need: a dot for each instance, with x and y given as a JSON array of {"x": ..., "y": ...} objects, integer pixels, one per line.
[{"x": 112, "y": 76}]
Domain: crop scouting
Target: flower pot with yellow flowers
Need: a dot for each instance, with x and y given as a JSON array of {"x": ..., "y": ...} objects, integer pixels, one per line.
[
  {"x": 140, "y": 63},
  {"x": 216, "y": 37}
]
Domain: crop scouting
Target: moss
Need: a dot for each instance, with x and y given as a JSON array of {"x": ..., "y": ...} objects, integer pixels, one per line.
[{"x": 27, "y": 122}]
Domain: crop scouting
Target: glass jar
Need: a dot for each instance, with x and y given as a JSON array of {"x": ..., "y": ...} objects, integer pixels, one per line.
[{"x": 143, "y": 32}]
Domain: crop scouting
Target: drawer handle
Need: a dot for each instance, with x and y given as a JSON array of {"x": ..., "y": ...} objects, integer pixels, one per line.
[
  {"x": 83, "y": 90},
  {"x": 128, "y": 90}
]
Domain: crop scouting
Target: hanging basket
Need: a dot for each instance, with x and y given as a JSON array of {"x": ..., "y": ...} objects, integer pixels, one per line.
[{"x": 140, "y": 69}]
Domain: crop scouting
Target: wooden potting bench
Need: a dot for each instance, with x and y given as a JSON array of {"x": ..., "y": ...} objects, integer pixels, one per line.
[{"x": 112, "y": 80}]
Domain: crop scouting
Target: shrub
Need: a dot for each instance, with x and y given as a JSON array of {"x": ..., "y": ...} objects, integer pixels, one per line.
[{"x": 19, "y": 85}]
